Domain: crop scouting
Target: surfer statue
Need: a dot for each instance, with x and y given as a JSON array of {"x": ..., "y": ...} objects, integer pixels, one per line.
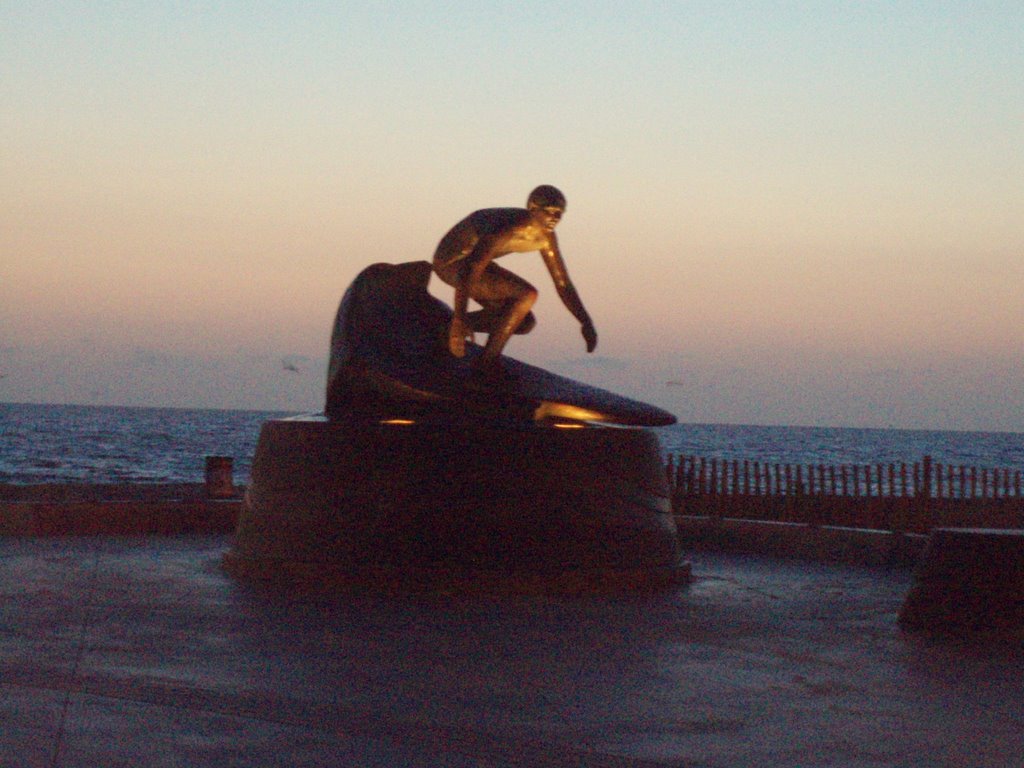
[
  {"x": 440, "y": 462},
  {"x": 399, "y": 351},
  {"x": 464, "y": 259}
]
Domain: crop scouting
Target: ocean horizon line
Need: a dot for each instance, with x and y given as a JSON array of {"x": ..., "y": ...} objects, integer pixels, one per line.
[{"x": 728, "y": 424}]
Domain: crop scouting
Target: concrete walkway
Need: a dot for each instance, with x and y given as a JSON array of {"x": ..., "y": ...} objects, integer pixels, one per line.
[{"x": 141, "y": 652}]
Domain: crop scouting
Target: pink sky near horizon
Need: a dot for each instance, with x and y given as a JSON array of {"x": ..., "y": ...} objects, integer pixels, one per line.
[{"x": 807, "y": 215}]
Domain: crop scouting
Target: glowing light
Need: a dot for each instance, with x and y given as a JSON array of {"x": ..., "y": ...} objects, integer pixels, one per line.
[
  {"x": 550, "y": 410},
  {"x": 398, "y": 422}
]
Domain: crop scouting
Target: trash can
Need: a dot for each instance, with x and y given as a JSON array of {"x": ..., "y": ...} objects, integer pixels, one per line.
[{"x": 219, "y": 483}]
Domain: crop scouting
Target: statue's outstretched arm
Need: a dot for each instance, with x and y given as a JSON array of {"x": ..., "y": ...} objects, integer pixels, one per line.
[{"x": 567, "y": 293}]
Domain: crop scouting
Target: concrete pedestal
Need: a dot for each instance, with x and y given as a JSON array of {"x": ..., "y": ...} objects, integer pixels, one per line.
[
  {"x": 481, "y": 503},
  {"x": 970, "y": 581}
]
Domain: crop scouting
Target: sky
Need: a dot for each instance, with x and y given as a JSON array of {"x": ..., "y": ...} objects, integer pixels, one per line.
[{"x": 794, "y": 213}]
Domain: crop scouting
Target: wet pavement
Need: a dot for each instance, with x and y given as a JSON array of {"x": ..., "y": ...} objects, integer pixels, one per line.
[{"x": 119, "y": 651}]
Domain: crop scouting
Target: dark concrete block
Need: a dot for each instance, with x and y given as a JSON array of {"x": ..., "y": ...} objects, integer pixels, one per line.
[
  {"x": 969, "y": 581},
  {"x": 477, "y": 501}
]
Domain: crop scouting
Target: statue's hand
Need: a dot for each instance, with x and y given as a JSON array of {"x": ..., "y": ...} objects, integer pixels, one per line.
[
  {"x": 589, "y": 335},
  {"x": 457, "y": 337}
]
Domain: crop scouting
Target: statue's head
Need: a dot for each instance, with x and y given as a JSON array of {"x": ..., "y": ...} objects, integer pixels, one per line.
[
  {"x": 547, "y": 204},
  {"x": 546, "y": 196}
]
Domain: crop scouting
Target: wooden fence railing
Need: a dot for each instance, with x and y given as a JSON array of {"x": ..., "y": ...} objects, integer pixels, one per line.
[{"x": 892, "y": 496}]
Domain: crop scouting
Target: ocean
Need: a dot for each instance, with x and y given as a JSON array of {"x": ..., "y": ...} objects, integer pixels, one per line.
[{"x": 104, "y": 444}]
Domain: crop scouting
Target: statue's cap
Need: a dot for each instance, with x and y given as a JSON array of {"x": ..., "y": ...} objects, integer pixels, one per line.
[{"x": 545, "y": 195}]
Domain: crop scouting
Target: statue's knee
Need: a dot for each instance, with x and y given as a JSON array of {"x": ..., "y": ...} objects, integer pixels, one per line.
[{"x": 527, "y": 324}]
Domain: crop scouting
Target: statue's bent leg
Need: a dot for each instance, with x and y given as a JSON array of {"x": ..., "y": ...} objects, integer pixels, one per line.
[
  {"x": 499, "y": 337},
  {"x": 506, "y": 300}
]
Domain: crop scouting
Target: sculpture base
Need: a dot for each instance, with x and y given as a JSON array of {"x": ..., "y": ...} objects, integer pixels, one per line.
[
  {"x": 970, "y": 581},
  {"x": 434, "y": 503}
]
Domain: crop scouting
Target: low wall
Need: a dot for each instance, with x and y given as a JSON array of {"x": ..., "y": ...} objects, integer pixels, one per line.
[
  {"x": 801, "y": 541},
  {"x": 872, "y": 512},
  {"x": 125, "y": 509},
  {"x": 117, "y": 518},
  {"x": 118, "y": 510}
]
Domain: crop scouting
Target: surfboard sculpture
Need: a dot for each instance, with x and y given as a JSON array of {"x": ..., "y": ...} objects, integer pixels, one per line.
[
  {"x": 388, "y": 356},
  {"x": 424, "y": 471}
]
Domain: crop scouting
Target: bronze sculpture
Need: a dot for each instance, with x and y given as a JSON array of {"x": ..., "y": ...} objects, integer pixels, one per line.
[
  {"x": 440, "y": 461},
  {"x": 389, "y": 356},
  {"x": 464, "y": 259},
  {"x": 396, "y": 349}
]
